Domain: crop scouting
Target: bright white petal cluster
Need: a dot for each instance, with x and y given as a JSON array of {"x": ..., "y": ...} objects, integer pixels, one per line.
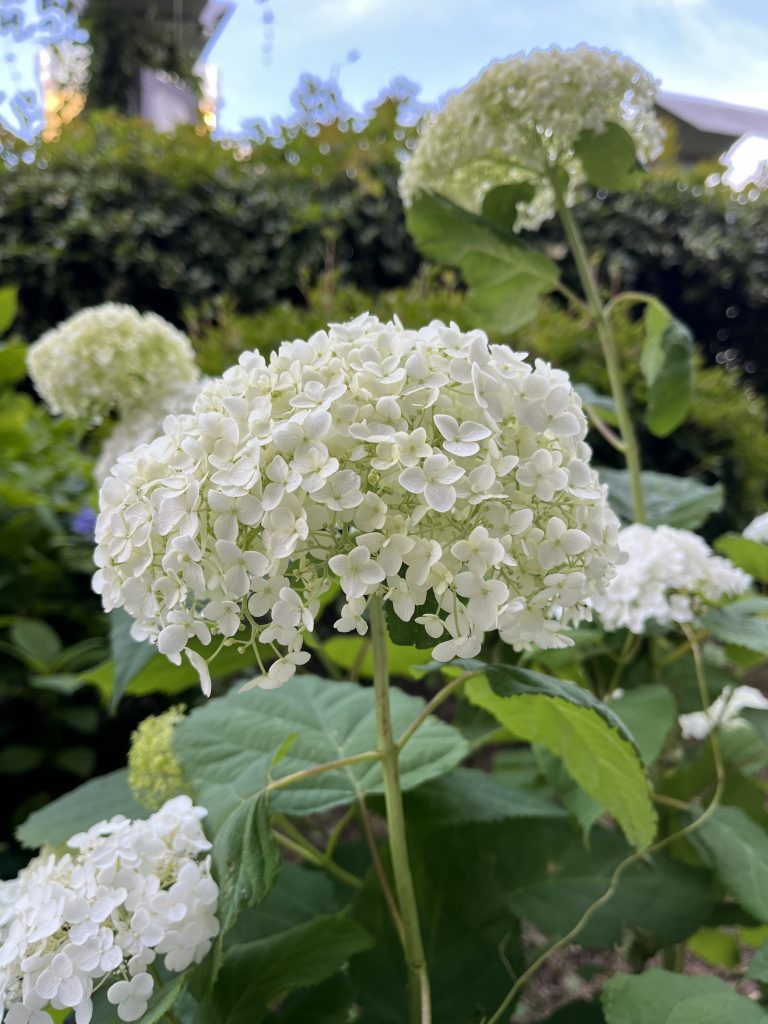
[
  {"x": 667, "y": 576},
  {"x": 124, "y": 892},
  {"x": 758, "y": 529},
  {"x": 725, "y": 710},
  {"x": 109, "y": 358},
  {"x": 142, "y": 425},
  {"x": 520, "y": 118},
  {"x": 426, "y": 466}
]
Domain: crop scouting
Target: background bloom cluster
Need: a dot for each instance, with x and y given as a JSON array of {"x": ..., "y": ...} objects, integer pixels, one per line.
[{"x": 124, "y": 892}]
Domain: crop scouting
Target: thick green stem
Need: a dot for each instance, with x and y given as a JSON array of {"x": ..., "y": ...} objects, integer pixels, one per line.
[
  {"x": 413, "y": 947},
  {"x": 610, "y": 353}
]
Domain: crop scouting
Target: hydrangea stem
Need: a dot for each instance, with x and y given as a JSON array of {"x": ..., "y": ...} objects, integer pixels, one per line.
[
  {"x": 418, "y": 979},
  {"x": 610, "y": 353}
]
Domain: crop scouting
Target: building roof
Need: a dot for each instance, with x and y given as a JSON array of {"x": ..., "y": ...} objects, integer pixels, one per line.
[{"x": 713, "y": 117}]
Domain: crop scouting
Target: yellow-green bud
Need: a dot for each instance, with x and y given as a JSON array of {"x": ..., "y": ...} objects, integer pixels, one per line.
[{"x": 154, "y": 774}]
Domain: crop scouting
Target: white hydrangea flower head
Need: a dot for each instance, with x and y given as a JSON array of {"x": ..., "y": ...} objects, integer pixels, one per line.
[
  {"x": 667, "y": 577},
  {"x": 724, "y": 711},
  {"x": 109, "y": 358},
  {"x": 758, "y": 529},
  {"x": 520, "y": 119},
  {"x": 124, "y": 892},
  {"x": 143, "y": 425},
  {"x": 428, "y": 467}
]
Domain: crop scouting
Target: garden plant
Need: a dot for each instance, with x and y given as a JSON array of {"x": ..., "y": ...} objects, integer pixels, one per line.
[{"x": 473, "y": 703}]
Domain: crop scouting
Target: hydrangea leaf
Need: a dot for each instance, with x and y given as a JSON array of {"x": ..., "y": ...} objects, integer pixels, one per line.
[
  {"x": 669, "y": 500},
  {"x": 667, "y": 365},
  {"x": 743, "y": 623},
  {"x": 505, "y": 278},
  {"x": 96, "y": 800},
  {"x": 9, "y": 306},
  {"x": 500, "y": 204},
  {"x": 749, "y": 555},
  {"x": 650, "y": 714},
  {"x": 227, "y": 746},
  {"x": 664, "y": 997},
  {"x": 129, "y": 656},
  {"x": 737, "y": 848},
  {"x": 608, "y": 157},
  {"x": 592, "y": 744}
]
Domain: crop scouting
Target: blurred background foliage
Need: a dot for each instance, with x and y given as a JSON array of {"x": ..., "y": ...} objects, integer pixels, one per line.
[{"x": 246, "y": 245}]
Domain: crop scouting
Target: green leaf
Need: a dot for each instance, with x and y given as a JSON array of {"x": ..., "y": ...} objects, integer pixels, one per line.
[
  {"x": 604, "y": 405},
  {"x": 659, "y": 898},
  {"x": 226, "y": 747},
  {"x": 18, "y": 758},
  {"x": 749, "y": 555},
  {"x": 327, "y": 1003},
  {"x": 758, "y": 965},
  {"x": 717, "y": 947},
  {"x": 672, "y": 500},
  {"x": 346, "y": 651},
  {"x": 407, "y": 634},
  {"x": 572, "y": 724},
  {"x": 39, "y": 642},
  {"x": 128, "y": 655},
  {"x": 661, "y": 997},
  {"x": 297, "y": 937},
  {"x": 500, "y": 204},
  {"x": 163, "y": 1000},
  {"x": 650, "y": 714},
  {"x": 245, "y": 859},
  {"x": 737, "y": 848},
  {"x": 467, "y": 794},
  {"x": 505, "y": 278},
  {"x": 96, "y": 800},
  {"x": 13, "y": 362},
  {"x": 9, "y": 306},
  {"x": 743, "y": 623},
  {"x": 667, "y": 365},
  {"x": 608, "y": 157}
]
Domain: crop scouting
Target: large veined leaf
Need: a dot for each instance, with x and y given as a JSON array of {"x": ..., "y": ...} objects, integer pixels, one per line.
[
  {"x": 738, "y": 850},
  {"x": 226, "y": 748},
  {"x": 669, "y": 500},
  {"x": 660, "y": 898},
  {"x": 650, "y": 714},
  {"x": 245, "y": 859},
  {"x": 569, "y": 722},
  {"x": 742, "y": 623},
  {"x": 667, "y": 366},
  {"x": 467, "y": 794},
  {"x": 749, "y": 555},
  {"x": 506, "y": 279},
  {"x": 662, "y": 997},
  {"x": 299, "y": 936},
  {"x": 608, "y": 157},
  {"x": 96, "y": 800}
]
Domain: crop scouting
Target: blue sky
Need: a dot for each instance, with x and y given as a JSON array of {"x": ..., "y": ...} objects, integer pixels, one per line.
[{"x": 713, "y": 48}]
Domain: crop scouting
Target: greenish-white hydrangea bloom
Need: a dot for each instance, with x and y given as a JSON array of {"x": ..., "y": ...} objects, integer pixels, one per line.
[
  {"x": 109, "y": 358},
  {"x": 521, "y": 117},
  {"x": 154, "y": 774},
  {"x": 446, "y": 475}
]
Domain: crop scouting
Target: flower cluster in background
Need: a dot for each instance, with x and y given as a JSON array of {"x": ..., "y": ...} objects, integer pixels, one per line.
[
  {"x": 143, "y": 425},
  {"x": 154, "y": 774},
  {"x": 124, "y": 892},
  {"x": 417, "y": 464},
  {"x": 109, "y": 358},
  {"x": 667, "y": 576},
  {"x": 519, "y": 120},
  {"x": 758, "y": 529},
  {"x": 725, "y": 710}
]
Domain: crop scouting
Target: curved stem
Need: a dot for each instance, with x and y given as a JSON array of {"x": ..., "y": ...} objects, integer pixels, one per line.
[
  {"x": 418, "y": 979},
  {"x": 312, "y": 855},
  {"x": 610, "y": 354},
  {"x": 621, "y": 868},
  {"x": 318, "y": 769},
  {"x": 433, "y": 704}
]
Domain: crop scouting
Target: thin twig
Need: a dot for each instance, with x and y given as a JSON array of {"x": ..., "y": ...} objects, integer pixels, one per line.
[
  {"x": 318, "y": 769},
  {"x": 314, "y": 856},
  {"x": 378, "y": 867},
  {"x": 433, "y": 704}
]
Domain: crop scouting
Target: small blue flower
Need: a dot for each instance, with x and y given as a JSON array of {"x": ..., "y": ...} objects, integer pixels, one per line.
[{"x": 83, "y": 523}]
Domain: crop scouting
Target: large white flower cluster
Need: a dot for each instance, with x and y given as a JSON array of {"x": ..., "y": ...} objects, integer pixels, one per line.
[
  {"x": 519, "y": 120},
  {"x": 109, "y": 358},
  {"x": 758, "y": 529},
  {"x": 414, "y": 464},
  {"x": 143, "y": 425},
  {"x": 667, "y": 577},
  {"x": 124, "y": 892}
]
